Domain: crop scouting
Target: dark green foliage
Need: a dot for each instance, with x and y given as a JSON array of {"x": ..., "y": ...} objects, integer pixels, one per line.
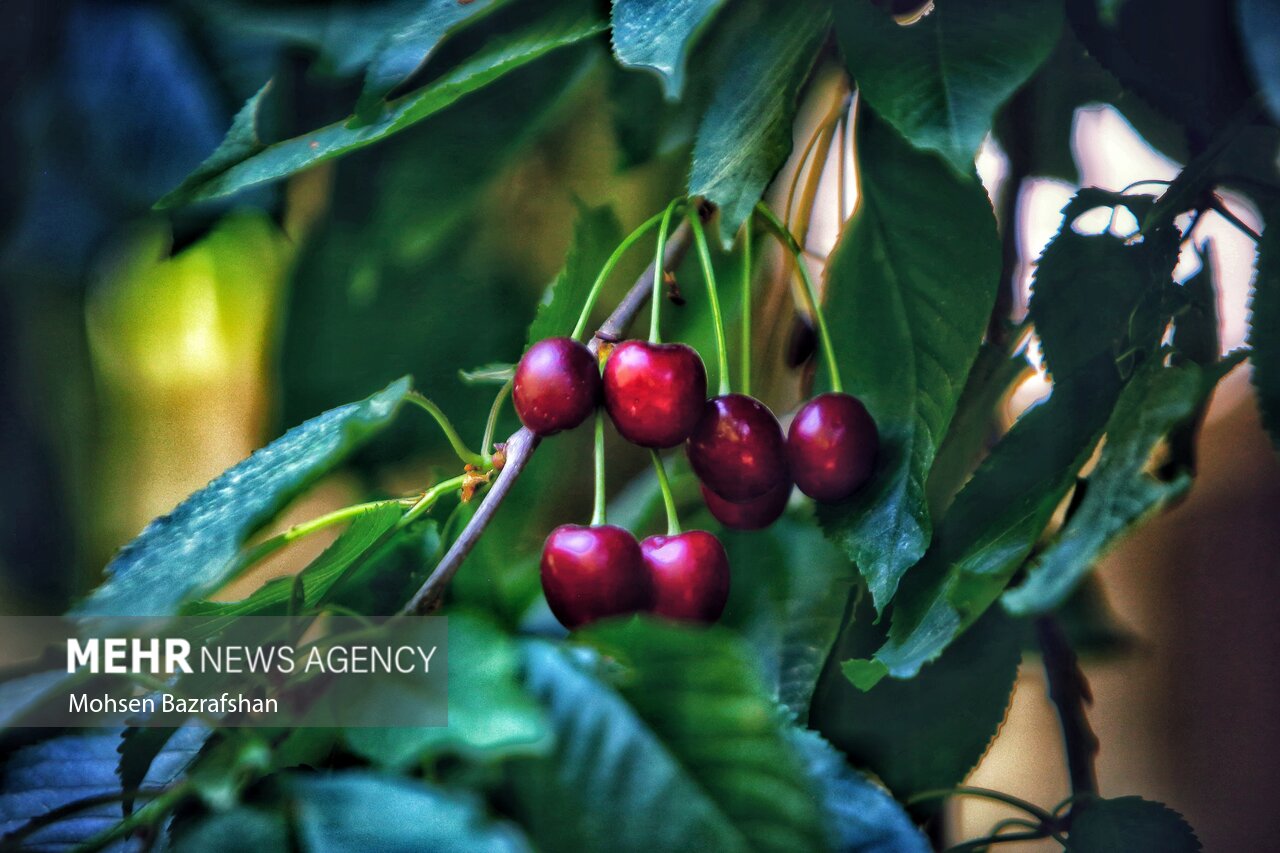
[
  {"x": 909, "y": 322},
  {"x": 1129, "y": 825}
]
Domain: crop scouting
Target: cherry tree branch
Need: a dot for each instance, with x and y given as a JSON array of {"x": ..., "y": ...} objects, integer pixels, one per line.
[{"x": 520, "y": 446}]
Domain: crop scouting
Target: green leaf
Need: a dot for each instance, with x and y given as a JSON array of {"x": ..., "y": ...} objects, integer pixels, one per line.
[
  {"x": 358, "y": 810},
  {"x": 1129, "y": 825},
  {"x": 1260, "y": 34},
  {"x": 745, "y": 134},
  {"x": 940, "y": 81},
  {"x": 274, "y": 597},
  {"x": 680, "y": 749},
  {"x": 491, "y": 717},
  {"x": 1264, "y": 323},
  {"x": 194, "y": 550},
  {"x": 790, "y": 588},
  {"x": 929, "y": 731},
  {"x": 994, "y": 375},
  {"x": 862, "y": 817},
  {"x": 657, "y": 35},
  {"x": 1100, "y": 302},
  {"x": 595, "y": 235},
  {"x": 406, "y": 47},
  {"x": 911, "y": 287},
  {"x": 227, "y": 174},
  {"x": 1120, "y": 492}
]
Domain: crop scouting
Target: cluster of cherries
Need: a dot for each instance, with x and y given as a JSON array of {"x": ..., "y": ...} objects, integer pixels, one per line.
[{"x": 656, "y": 396}]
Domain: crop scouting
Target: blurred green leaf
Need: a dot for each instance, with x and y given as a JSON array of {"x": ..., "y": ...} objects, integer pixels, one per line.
[
  {"x": 1129, "y": 825},
  {"x": 862, "y": 816},
  {"x": 911, "y": 286},
  {"x": 927, "y": 732},
  {"x": 404, "y": 48},
  {"x": 358, "y": 810},
  {"x": 675, "y": 746},
  {"x": 1260, "y": 33},
  {"x": 194, "y": 549},
  {"x": 1120, "y": 491},
  {"x": 1264, "y": 322},
  {"x": 494, "y": 373},
  {"x": 228, "y": 171},
  {"x": 491, "y": 717},
  {"x": 745, "y": 133},
  {"x": 939, "y": 81},
  {"x": 595, "y": 235},
  {"x": 658, "y": 35}
]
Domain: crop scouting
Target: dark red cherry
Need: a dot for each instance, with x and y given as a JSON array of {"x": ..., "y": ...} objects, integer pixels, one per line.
[
  {"x": 832, "y": 446},
  {"x": 737, "y": 449},
  {"x": 752, "y": 515},
  {"x": 557, "y": 386},
  {"x": 654, "y": 392},
  {"x": 689, "y": 573},
  {"x": 589, "y": 573}
]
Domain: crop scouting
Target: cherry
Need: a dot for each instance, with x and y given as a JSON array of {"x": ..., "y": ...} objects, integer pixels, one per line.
[
  {"x": 654, "y": 392},
  {"x": 737, "y": 449},
  {"x": 751, "y": 515},
  {"x": 557, "y": 386},
  {"x": 689, "y": 573},
  {"x": 589, "y": 573},
  {"x": 832, "y": 446}
]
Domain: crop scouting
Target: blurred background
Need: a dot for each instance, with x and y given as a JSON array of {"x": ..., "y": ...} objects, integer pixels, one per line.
[{"x": 141, "y": 354}]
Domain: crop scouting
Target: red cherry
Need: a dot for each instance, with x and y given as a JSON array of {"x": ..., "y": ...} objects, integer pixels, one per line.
[
  {"x": 752, "y": 515},
  {"x": 589, "y": 573},
  {"x": 557, "y": 386},
  {"x": 737, "y": 449},
  {"x": 832, "y": 446},
  {"x": 654, "y": 392},
  {"x": 690, "y": 575}
]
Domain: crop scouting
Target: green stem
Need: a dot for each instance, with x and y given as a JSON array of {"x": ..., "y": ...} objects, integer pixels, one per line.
[
  {"x": 985, "y": 793},
  {"x": 810, "y": 293},
  {"x": 673, "y": 521},
  {"x": 585, "y": 316},
  {"x": 269, "y": 546},
  {"x": 983, "y": 843},
  {"x": 598, "y": 516},
  {"x": 746, "y": 306},
  {"x": 429, "y": 497},
  {"x": 147, "y": 815},
  {"x": 713, "y": 296},
  {"x": 459, "y": 446},
  {"x": 491, "y": 425},
  {"x": 658, "y": 268}
]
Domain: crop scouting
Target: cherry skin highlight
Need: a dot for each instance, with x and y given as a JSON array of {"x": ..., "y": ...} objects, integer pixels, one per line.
[
  {"x": 689, "y": 573},
  {"x": 590, "y": 573},
  {"x": 832, "y": 446},
  {"x": 755, "y": 514},
  {"x": 654, "y": 392},
  {"x": 737, "y": 449},
  {"x": 557, "y": 386}
]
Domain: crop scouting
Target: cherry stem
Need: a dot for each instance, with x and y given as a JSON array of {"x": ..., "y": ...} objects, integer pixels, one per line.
[
  {"x": 598, "y": 510},
  {"x": 746, "y": 306},
  {"x": 585, "y": 316},
  {"x": 465, "y": 453},
  {"x": 656, "y": 301},
  {"x": 713, "y": 296},
  {"x": 810, "y": 293},
  {"x": 664, "y": 485},
  {"x": 430, "y": 496},
  {"x": 269, "y": 546},
  {"x": 490, "y": 425}
]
